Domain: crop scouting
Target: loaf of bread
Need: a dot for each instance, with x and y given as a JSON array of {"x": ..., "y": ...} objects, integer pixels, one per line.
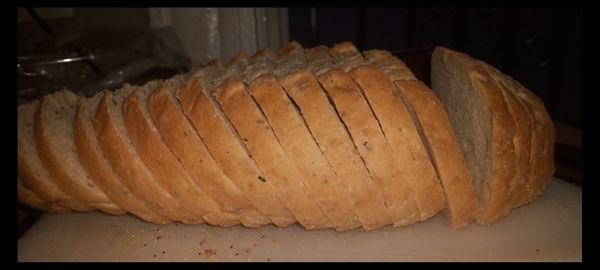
[{"x": 330, "y": 138}]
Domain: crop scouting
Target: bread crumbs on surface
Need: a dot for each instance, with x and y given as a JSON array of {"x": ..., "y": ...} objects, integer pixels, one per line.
[
  {"x": 203, "y": 242},
  {"x": 231, "y": 246},
  {"x": 154, "y": 255},
  {"x": 159, "y": 237},
  {"x": 164, "y": 252},
  {"x": 236, "y": 254},
  {"x": 268, "y": 260},
  {"x": 210, "y": 252},
  {"x": 537, "y": 250}
]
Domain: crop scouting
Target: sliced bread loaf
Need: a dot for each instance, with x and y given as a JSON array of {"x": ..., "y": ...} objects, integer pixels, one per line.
[
  {"x": 97, "y": 166},
  {"x": 181, "y": 138},
  {"x": 116, "y": 145},
  {"x": 295, "y": 138},
  {"x": 408, "y": 150},
  {"x": 335, "y": 143},
  {"x": 436, "y": 134},
  {"x": 367, "y": 136},
  {"x": 162, "y": 163},
  {"x": 251, "y": 124},
  {"x": 226, "y": 146},
  {"x": 32, "y": 172},
  {"x": 53, "y": 130}
]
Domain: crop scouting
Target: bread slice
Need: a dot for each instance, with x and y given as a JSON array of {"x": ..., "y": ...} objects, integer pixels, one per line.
[
  {"x": 227, "y": 148},
  {"x": 296, "y": 140},
  {"x": 53, "y": 130},
  {"x": 436, "y": 134},
  {"x": 336, "y": 145},
  {"x": 252, "y": 126},
  {"x": 28, "y": 197},
  {"x": 116, "y": 145},
  {"x": 403, "y": 138},
  {"x": 32, "y": 172},
  {"x": 163, "y": 164},
  {"x": 94, "y": 162},
  {"x": 181, "y": 138},
  {"x": 542, "y": 141},
  {"x": 519, "y": 186},
  {"x": 485, "y": 128},
  {"x": 367, "y": 136}
]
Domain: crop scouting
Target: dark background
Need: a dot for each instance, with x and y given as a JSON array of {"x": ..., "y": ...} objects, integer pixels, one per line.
[{"x": 541, "y": 48}]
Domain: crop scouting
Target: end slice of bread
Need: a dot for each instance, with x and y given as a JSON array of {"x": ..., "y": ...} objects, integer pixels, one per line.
[
  {"x": 97, "y": 166},
  {"x": 53, "y": 129},
  {"x": 34, "y": 176}
]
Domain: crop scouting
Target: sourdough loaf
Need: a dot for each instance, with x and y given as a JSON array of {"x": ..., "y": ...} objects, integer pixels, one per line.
[{"x": 327, "y": 138}]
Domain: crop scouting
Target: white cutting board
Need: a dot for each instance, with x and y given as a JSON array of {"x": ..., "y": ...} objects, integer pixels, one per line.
[{"x": 547, "y": 230}]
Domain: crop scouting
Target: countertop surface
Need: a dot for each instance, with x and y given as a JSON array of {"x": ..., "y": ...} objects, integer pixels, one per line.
[{"x": 549, "y": 229}]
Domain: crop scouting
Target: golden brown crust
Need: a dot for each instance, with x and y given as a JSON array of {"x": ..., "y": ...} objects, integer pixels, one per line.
[
  {"x": 520, "y": 186},
  {"x": 30, "y": 168},
  {"x": 335, "y": 143},
  {"x": 229, "y": 153},
  {"x": 445, "y": 152},
  {"x": 77, "y": 188},
  {"x": 300, "y": 146},
  {"x": 496, "y": 202},
  {"x": 396, "y": 70},
  {"x": 371, "y": 145},
  {"x": 437, "y": 135},
  {"x": 402, "y": 136},
  {"x": 165, "y": 167},
  {"x": 28, "y": 197},
  {"x": 94, "y": 162},
  {"x": 542, "y": 146},
  {"x": 181, "y": 138},
  {"x": 128, "y": 165},
  {"x": 252, "y": 126}
]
